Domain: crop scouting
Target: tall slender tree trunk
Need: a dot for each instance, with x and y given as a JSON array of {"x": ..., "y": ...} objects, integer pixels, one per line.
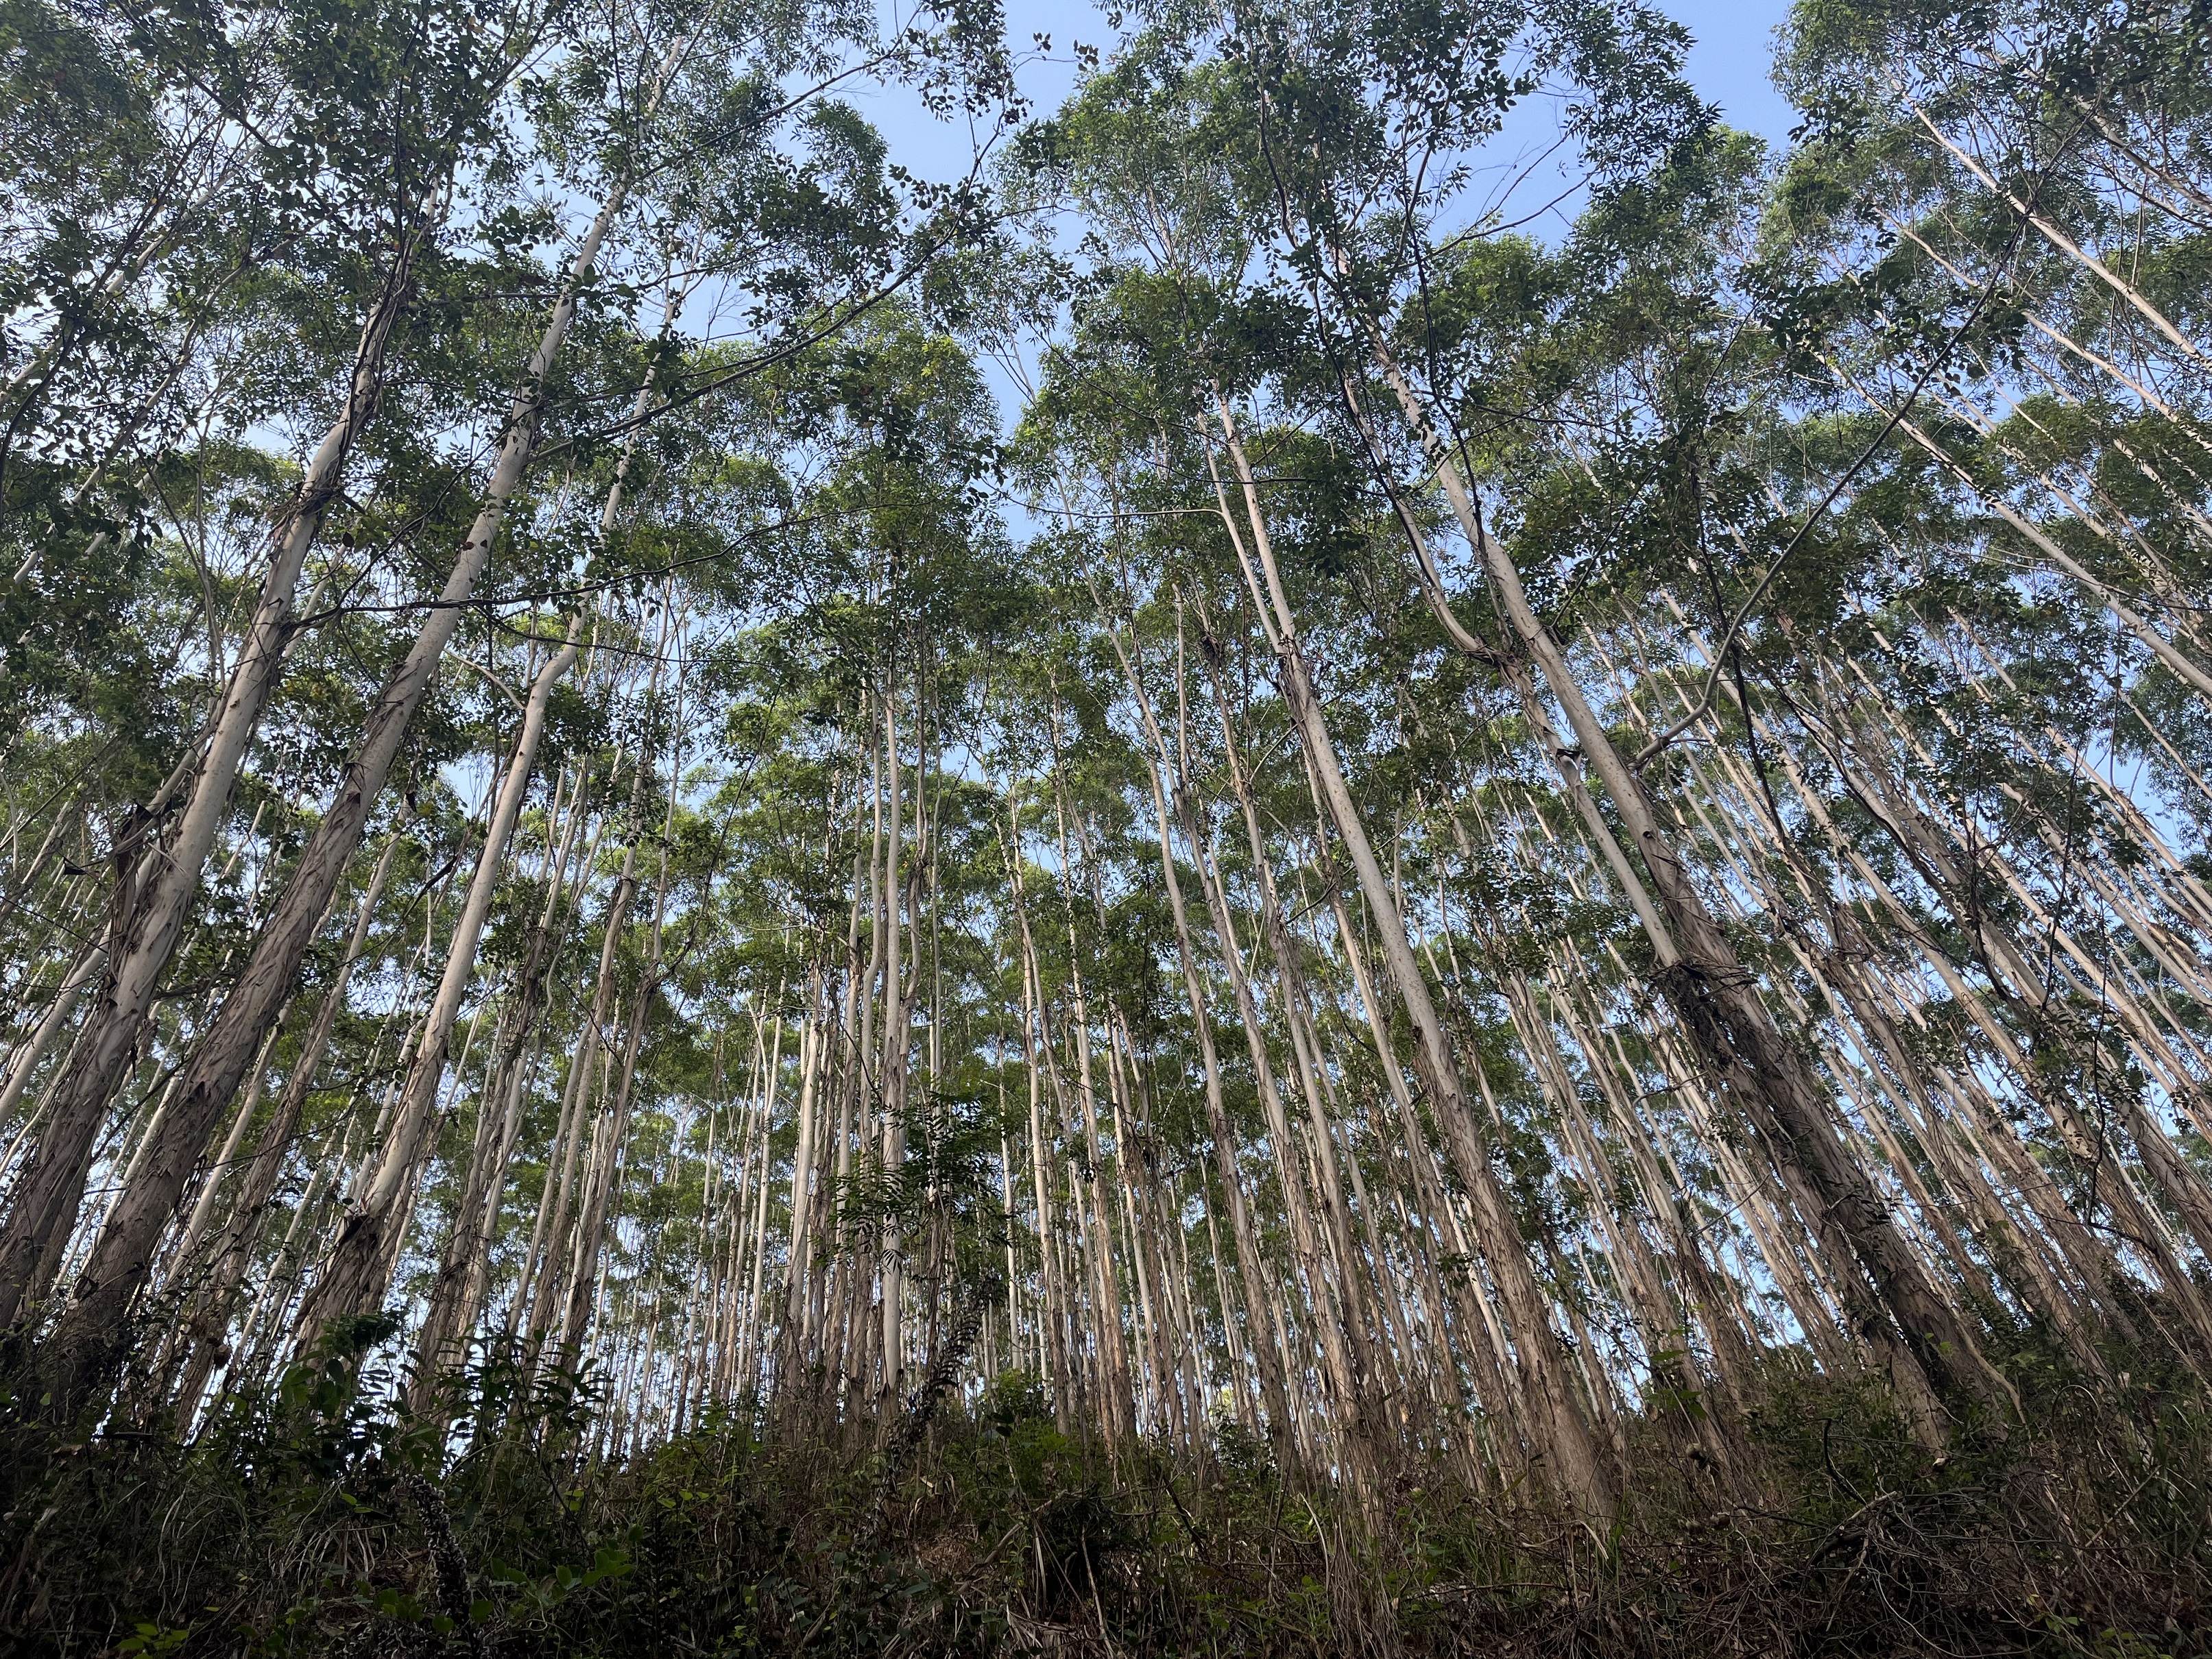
[
  {"x": 1557, "y": 1432},
  {"x": 598, "y": 1194},
  {"x": 1718, "y": 1002},
  {"x": 351, "y": 1282},
  {"x": 463, "y": 1264},
  {"x": 156, "y": 889},
  {"x": 84, "y": 1343},
  {"x": 1251, "y": 1271},
  {"x": 34, "y": 1048}
]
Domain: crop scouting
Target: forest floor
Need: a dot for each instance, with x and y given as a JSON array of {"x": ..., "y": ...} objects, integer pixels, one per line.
[{"x": 322, "y": 1520}]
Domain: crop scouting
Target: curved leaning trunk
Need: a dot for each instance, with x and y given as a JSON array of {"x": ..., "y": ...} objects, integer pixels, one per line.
[
  {"x": 234, "y": 1244},
  {"x": 604, "y": 1170},
  {"x": 33, "y": 1048},
  {"x": 85, "y": 1342},
  {"x": 542, "y": 1284},
  {"x": 1555, "y": 1425},
  {"x": 354, "y": 1278},
  {"x": 156, "y": 894},
  {"x": 2182, "y": 666},
  {"x": 600, "y": 1176},
  {"x": 456, "y": 1295},
  {"x": 2127, "y": 291},
  {"x": 1718, "y": 1000}
]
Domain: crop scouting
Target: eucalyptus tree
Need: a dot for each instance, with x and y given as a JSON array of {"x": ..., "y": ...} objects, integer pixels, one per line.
[
  {"x": 102, "y": 181},
  {"x": 364, "y": 130},
  {"x": 1973, "y": 251},
  {"x": 903, "y": 585},
  {"x": 1473, "y": 841},
  {"x": 1357, "y": 132},
  {"x": 656, "y": 109},
  {"x": 1179, "y": 161}
]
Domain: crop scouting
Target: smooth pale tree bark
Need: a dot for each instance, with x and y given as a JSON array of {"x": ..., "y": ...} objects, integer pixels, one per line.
[
  {"x": 1848, "y": 969},
  {"x": 2107, "y": 1181},
  {"x": 814, "y": 1303},
  {"x": 898, "y": 1042},
  {"x": 351, "y": 1282},
  {"x": 560, "y": 1156},
  {"x": 1120, "y": 1418},
  {"x": 850, "y": 1030},
  {"x": 1273, "y": 1385},
  {"x": 1343, "y": 1376},
  {"x": 465, "y": 1267},
  {"x": 1053, "y": 1297},
  {"x": 234, "y": 1245},
  {"x": 799, "y": 1256},
  {"x": 1557, "y": 1430},
  {"x": 156, "y": 889},
  {"x": 745, "y": 1378},
  {"x": 1064, "y": 1285},
  {"x": 540, "y": 1285},
  {"x": 1824, "y": 965},
  {"x": 1945, "y": 868},
  {"x": 1489, "y": 1360},
  {"x": 458, "y": 1291},
  {"x": 1662, "y": 1325},
  {"x": 83, "y": 1344},
  {"x": 537, "y": 1285},
  {"x": 2114, "y": 983},
  {"x": 1718, "y": 1001},
  {"x": 2159, "y": 646},
  {"x": 2058, "y": 239},
  {"x": 211, "y": 1180},
  {"x": 34, "y": 1048},
  {"x": 1356, "y": 1377},
  {"x": 1158, "y": 1325},
  {"x": 598, "y": 1191}
]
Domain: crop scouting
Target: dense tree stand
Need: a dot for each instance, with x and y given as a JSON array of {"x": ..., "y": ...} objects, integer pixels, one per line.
[{"x": 1363, "y": 846}]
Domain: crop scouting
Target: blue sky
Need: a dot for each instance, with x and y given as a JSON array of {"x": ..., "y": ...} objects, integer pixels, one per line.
[
  {"x": 1729, "y": 64},
  {"x": 1730, "y": 61}
]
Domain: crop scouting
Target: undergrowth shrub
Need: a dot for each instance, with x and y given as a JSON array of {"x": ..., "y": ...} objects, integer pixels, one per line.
[{"x": 321, "y": 1517}]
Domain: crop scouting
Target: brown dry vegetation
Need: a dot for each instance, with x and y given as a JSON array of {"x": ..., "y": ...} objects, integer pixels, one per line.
[{"x": 301, "y": 1525}]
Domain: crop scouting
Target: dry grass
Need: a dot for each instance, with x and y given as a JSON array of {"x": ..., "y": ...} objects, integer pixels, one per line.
[{"x": 305, "y": 1527}]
